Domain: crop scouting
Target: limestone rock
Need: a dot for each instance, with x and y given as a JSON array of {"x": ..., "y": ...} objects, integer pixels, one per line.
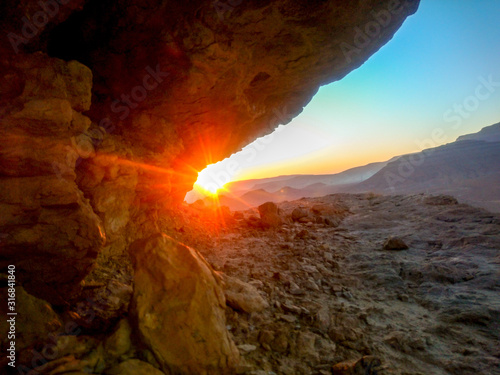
[
  {"x": 281, "y": 342},
  {"x": 247, "y": 348},
  {"x": 299, "y": 213},
  {"x": 323, "y": 319},
  {"x": 79, "y": 346},
  {"x": 305, "y": 347},
  {"x": 395, "y": 243},
  {"x": 64, "y": 365},
  {"x": 178, "y": 306},
  {"x": 330, "y": 215},
  {"x": 119, "y": 342},
  {"x": 243, "y": 296},
  {"x": 270, "y": 215},
  {"x": 45, "y": 216},
  {"x": 303, "y": 234}
]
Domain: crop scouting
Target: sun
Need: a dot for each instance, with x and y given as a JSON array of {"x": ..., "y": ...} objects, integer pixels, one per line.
[{"x": 207, "y": 184}]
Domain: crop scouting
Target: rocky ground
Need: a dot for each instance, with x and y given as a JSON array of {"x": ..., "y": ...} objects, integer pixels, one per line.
[
  {"x": 322, "y": 298},
  {"x": 343, "y": 284}
]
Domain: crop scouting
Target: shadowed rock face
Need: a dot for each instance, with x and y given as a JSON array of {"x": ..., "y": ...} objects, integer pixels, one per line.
[{"x": 49, "y": 230}]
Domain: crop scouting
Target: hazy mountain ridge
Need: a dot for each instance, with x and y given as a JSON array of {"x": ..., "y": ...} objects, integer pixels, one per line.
[
  {"x": 353, "y": 175},
  {"x": 488, "y": 134},
  {"x": 468, "y": 169}
]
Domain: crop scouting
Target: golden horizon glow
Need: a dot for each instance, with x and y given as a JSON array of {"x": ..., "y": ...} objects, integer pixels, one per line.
[{"x": 322, "y": 162}]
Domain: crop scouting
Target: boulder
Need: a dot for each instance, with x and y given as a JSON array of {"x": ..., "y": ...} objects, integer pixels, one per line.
[
  {"x": 119, "y": 342},
  {"x": 330, "y": 214},
  {"x": 334, "y": 208},
  {"x": 332, "y": 221},
  {"x": 103, "y": 304},
  {"x": 253, "y": 221},
  {"x": 178, "y": 307},
  {"x": 395, "y": 243},
  {"x": 238, "y": 215},
  {"x": 299, "y": 213},
  {"x": 270, "y": 215},
  {"x": 243, "y": 296}
]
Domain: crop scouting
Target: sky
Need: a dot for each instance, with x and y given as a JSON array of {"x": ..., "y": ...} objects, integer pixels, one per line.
[{"x": 438, "y": 78}]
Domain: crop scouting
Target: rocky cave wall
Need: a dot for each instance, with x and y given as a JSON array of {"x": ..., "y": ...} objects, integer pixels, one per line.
[{"x": 109, "y": 108}]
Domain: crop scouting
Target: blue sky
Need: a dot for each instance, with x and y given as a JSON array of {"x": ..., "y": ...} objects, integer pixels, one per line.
[{"x": 394, "y": 103}]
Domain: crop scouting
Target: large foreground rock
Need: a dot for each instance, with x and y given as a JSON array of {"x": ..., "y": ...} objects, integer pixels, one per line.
[{"x": 178, "y": 305}]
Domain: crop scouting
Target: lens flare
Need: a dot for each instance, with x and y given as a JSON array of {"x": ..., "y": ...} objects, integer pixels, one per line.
[{"x": 207, "y": 184}]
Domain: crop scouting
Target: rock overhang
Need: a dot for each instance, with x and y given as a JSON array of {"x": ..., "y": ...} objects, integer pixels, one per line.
[
  {"x": 175, "y": 86},
  {"x": 182, "y": 79}
]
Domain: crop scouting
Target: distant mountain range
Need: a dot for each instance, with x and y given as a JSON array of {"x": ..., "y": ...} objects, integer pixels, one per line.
[
  {"x": 350, "y": 176},
  {"x": 249, "y": 193},
  {"x": 468, "y": 169}
]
